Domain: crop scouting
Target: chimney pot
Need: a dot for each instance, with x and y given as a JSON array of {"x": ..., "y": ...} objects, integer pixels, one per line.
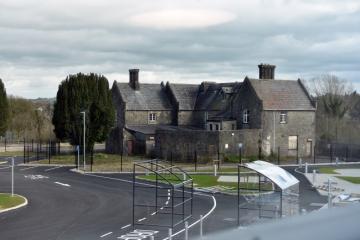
[
  {"x": 266, "y": 71},
  {"x": 134, "y": 79}
]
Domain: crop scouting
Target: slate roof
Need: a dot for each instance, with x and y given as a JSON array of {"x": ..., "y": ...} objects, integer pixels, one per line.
[
  {"x": 148, "y": 97},
  {"x": 282, "y": 94},
  {"x": 211, "y": 98},
  {"x": 185, "y": 95},
  {"x": 145, "y": 129}
]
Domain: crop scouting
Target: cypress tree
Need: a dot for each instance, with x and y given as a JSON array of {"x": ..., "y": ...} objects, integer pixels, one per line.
[
  {"x": 4, "y": 109},
  {"x": 89, "y": 93}
]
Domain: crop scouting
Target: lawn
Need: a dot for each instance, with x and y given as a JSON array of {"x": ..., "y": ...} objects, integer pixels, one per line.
[
  {"x": 355, "y": 180},
  {"x": 11, "y": 153},
  {"x": 327, "y": 170},
  {"x": 202, "y": 181},
  {"x": 101, "y": 161},
  {"x": 7, "y": 201}
]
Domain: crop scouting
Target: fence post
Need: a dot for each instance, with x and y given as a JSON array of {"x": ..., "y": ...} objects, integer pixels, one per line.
[
  {"x": 170, "y": 234},
  {"x": 24, "y": 151},
  {"x": 186, "y": 231},
  {"x": 201, "y": 226},
  {"x": 121, "y": 160},
  {"x": 314, "y": 153},
  {"x": 195, "y": 161},
  {"x": 278, "y": 156}
]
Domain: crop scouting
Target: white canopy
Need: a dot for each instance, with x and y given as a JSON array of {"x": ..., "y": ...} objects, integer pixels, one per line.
[{"x": 276, "y": 174}]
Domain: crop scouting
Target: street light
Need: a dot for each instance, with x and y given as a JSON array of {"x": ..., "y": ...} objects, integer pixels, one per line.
[
  {"x": 84, "y": 151},
  {"x": 240, "y": 147}
]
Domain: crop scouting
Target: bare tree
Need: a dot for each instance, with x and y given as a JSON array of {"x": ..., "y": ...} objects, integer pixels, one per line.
[{"x": 334, "y": 97}]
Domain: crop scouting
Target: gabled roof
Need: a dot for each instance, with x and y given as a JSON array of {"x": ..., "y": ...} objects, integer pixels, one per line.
[
  {"x": 148, "y": 97},
  {"x": 210, "y": 96},
  {"x": 185, "y": 95},
  {"x": 282, "y": 94}
]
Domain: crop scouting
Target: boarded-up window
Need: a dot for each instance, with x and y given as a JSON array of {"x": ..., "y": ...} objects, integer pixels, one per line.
[
  {"x": 246, "y": 115},
  {"x": 293, "y": 142}
]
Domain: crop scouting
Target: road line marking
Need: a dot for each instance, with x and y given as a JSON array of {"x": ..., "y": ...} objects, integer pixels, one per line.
[
  {"x": 140, "y": 220},
  {"x": 3, "y": 162},
  {"x": 28, "y": 168},
  {"x": 126, "y": 226},
  {"x": 62, "y": 184},
  {"x": 167, "y": 202},
  {"x": 106, "y": 234},
  {"x": 52, "y": 168},
  {"x": 162, "y": 208},
  {"x": 153, "y": 214},
  {"x": 196, "y": 222}
]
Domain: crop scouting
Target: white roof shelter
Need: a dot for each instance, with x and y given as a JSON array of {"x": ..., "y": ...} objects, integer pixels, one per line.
[{"x": 276, "y": 174}]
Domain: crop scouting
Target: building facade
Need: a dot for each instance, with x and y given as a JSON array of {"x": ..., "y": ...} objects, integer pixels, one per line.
[{"x": 213, "y": 119}]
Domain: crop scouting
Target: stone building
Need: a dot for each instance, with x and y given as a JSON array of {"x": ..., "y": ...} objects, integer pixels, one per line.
[{"x": 213, "y": 119}]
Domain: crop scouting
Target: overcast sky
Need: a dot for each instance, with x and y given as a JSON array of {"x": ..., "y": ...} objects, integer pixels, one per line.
[{"x": 189, "y": 41}]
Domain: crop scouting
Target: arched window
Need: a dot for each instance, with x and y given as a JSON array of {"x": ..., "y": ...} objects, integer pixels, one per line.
[{"x": 246, "y": 115}]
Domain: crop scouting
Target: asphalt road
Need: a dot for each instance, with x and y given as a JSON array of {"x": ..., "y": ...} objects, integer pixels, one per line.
[{"x": 65, "y": 205}]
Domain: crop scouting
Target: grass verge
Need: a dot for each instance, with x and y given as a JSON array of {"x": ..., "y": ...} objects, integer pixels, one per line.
[
  {"x": 8, "y": 201},
  {"x": 327, "y": 170},
  {"x": 202, "y": 181},
  {"x": 355, "y": 180}
]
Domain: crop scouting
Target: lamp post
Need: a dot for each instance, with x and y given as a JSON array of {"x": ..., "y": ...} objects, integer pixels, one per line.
[
  {"x": 84, "y": 150},
  {"x": 240, "y": 153}
]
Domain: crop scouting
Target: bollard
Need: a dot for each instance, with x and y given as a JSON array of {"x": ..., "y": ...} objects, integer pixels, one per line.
[
  {"x": 186, "y": 230},
  {"x": 170, "y": 234},
  {"x": 184, "y": 176},
  {"x": 215, "y": 170},
  {"x": 300, "y": 163},
  {"x": 329, "y": 193},
  {"x": 314, "y": 177},
  {"x": 201, "y": 226},
  {"x": 306, "y": 168}
]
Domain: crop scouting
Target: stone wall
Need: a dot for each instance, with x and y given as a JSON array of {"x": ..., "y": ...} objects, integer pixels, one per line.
[
  {"x": 142, "y": 117},
  {"x": 182, "y": 143},
  {"x": 299, "y": 123},
  {"x": 247, "y": 99}
]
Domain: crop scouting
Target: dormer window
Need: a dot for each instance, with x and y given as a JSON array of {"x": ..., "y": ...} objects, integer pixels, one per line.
[
  {"x": 283, "y": 117},
  {"x": 152, "y": 117},
  {"x": 246, "y": 115}
]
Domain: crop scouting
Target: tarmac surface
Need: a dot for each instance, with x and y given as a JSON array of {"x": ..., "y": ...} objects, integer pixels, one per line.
[{"x": 67, "y": 205}]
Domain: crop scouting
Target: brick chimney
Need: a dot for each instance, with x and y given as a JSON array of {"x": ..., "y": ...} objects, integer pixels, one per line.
[
  {"x": 266, "y": 71},
  {"x": 134, "y": 79}
]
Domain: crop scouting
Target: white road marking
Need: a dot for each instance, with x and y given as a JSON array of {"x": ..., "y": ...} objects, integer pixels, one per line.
[
  {"x": 3, "y": 162},
  {"x": 153, "y": 214},
  {"x": 49, "y": 169},
  {"x": 106, "y": 234},
  {"x": 62, "y": 184},
  {"x": 140, "y": 220},
  {"x": 28, "y": 168},
  {"x": 167, "y": 202},
  {"x": 162, "y": 208},
  {"x": 35, "y": 177},
  {"x": 196, "y": 222},
  {"x": 126, "y": 226}
]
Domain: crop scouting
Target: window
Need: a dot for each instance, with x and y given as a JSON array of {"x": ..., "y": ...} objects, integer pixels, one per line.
[
  {"x": 283, "y": 117},
  {"x": 152, "y": 117},
  {"x": 211, "y": 128},
  {"x": 216, "y": 127},
  {"x": 293, "y": 142},
  {"x": 246, "y": 114}
]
